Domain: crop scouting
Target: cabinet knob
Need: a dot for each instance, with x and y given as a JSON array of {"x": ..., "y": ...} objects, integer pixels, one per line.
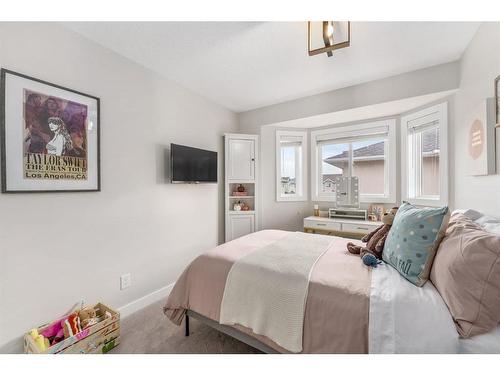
[{"x": 253, "y": 159}]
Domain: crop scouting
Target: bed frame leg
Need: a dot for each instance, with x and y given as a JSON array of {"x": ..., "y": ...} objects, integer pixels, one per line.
[{"x": 186, "y": 324}]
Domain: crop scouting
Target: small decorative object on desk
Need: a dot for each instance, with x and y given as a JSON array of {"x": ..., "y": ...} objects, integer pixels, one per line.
[
  {"x": 316, "y": 210},
  {"x": 378, "y": 211},
  {"x": 347, "y": 192},
  {"x": 237, "y": 206},
  {"x": 94, "y": 329}
]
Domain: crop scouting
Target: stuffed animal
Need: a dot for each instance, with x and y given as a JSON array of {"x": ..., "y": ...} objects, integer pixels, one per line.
[
  {"x": 88, "y": 317},
  {"x": 41, "y": 341},
  {"x": 71, "y": 325},
  {"x": 374, "y": 240},
  {"x": 55, "y": 331},
  {"x": 370, "y": 260}
]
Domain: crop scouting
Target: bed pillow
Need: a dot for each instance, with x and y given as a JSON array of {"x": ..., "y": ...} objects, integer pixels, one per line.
[
  {"x": 466, "y": 272},
  {"x": 488, "y": 223},
  {"x": 413, "y": 239}
]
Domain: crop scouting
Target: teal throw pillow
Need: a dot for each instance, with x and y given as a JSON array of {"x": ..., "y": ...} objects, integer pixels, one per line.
[{"x": 413, "y": 240}]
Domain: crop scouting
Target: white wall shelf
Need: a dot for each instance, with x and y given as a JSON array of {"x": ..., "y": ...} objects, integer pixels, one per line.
[{"x": 233, "y": 212}]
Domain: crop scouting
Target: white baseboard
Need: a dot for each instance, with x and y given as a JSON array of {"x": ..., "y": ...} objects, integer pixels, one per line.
[{"x": 144, "y": 301}]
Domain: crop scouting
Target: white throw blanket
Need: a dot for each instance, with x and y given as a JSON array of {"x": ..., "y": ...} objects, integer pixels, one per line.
[{"x": 267, "y": 289}]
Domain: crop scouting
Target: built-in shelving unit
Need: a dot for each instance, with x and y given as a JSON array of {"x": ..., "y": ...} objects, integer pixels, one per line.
[{"x": 241, "y": 169}]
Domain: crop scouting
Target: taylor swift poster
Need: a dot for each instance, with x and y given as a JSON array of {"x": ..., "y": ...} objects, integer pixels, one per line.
[{"x": 50, "y": 137}]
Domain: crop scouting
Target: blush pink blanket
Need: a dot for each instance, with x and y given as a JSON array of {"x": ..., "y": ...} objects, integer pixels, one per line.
[{"x": 337, "y": 306}]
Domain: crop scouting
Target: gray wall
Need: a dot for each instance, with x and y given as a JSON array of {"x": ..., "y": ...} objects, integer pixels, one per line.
[
  {"x": 273, "y": 214},
  {"x": 420, "y": 82},
  {"x": 479, "y": 66},
  {"x": 58, "y": 248}
]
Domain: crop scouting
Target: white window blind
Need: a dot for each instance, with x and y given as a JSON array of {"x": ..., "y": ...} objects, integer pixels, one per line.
[{"x": 350, "y": 135}]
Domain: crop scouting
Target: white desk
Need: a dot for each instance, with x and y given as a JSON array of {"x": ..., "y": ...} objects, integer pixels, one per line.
[{"x": 339, "y": 227}]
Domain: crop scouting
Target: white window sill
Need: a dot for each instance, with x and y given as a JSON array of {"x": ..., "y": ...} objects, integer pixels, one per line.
[
  {"x": 362, "y": 199},
  {"x": 430, "y": 202},
  {"x": 291, "y": 199}
]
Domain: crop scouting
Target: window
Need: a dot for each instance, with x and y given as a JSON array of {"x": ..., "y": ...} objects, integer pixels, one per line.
[
  {"x": 291, "y": 172},
  {"x": 425, "y": 165},
  {"x": 366, "y": 151}
]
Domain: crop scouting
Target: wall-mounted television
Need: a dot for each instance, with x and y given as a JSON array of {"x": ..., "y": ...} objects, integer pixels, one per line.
[{"x": 192, "y": 165}]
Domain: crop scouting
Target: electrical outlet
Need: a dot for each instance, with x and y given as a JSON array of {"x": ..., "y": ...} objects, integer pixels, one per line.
[{"x": 125, "y": 281}]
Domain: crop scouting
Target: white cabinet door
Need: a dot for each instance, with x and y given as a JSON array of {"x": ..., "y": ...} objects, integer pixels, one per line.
[
  {"x": 241, "y": 159},
  {"x": 240, "y": 225}
]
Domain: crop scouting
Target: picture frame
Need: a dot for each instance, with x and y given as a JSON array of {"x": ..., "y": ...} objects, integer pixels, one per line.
[
  {"x": 480, "y": 139},
  {"x": 377, "y": 210},
  {"x": 497, "y": 102},
  {"x": 49, "y": 137}
]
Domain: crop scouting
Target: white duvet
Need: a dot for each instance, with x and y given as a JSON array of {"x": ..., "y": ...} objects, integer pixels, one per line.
[{"x": 408, "y": 319}]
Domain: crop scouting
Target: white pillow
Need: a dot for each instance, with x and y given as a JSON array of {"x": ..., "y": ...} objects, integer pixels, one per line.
[{"x": 490, "y": 224}]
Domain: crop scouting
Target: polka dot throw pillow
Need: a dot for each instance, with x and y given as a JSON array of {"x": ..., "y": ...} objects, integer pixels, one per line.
[{"x": 413, "y": 240}]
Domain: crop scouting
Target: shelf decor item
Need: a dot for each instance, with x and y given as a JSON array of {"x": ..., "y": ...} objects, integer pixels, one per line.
[{"x": 49, "y": 137}]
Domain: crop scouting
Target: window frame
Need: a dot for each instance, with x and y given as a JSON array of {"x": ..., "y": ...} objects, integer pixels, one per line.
[
  {"x": 438, "y": 113},
  {"x": 300, "y": 175},
  {"x": 360, "y": 132}
]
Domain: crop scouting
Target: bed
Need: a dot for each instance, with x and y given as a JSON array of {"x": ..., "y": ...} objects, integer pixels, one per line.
[{"x": 349, "y": 308}]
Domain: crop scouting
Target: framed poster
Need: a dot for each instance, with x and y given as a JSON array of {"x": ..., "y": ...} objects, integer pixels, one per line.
[
  {"x": 49, "y": 137},
  {"x": 480, "y": 148},
  {"x": 497, "y": 101}
]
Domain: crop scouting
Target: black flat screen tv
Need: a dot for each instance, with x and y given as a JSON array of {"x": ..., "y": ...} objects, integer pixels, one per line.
[{"x": 192, "y": 165}]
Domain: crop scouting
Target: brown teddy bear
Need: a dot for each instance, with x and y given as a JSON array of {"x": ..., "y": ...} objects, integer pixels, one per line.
[
  {"x": 375, "y": 240},
  {"x": 88, "y": 317}
]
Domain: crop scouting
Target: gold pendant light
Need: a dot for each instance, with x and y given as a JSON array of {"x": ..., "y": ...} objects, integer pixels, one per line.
[{"x": 327, "y": 36}]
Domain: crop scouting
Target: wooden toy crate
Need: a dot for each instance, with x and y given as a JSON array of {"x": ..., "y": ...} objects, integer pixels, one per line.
[{"x": 96, "y": 339}]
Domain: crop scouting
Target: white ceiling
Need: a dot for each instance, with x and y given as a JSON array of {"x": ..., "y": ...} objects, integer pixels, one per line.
[{"x": 246, "y": 65}]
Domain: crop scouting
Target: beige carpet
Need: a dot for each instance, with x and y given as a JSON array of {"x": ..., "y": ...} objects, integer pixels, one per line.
[{"x": 149, "y": 331}]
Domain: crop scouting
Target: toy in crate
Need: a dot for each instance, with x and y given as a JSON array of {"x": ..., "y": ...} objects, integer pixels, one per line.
[{"x": 93, "y": 329}]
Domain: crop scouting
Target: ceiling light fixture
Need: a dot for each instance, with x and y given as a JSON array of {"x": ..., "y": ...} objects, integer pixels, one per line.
[{"x": 327, "y": 36}]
